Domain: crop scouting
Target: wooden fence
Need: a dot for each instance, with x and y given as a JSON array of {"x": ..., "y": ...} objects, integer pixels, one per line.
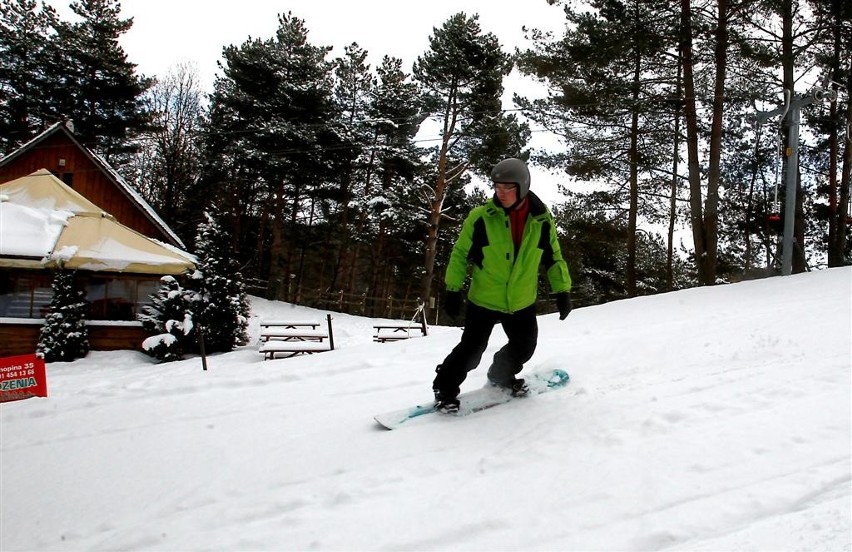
[
  {"x": 360, "y": 304},
  {"x": 350, "y": 303}
]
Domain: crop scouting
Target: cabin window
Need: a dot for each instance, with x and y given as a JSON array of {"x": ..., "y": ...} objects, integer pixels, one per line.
[
  {"x": 68, "y": 178},
  {"x": 24, "y": 296},
  {"x": 118, "y": 298}
]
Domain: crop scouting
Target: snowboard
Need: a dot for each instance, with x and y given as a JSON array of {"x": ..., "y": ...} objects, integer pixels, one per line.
[{"x": 478, "y": 399}]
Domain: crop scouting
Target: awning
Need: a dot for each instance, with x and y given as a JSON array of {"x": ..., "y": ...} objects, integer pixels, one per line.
[
  {"x": 99, "y": 243},
  {"x": 45, "y": 223}
]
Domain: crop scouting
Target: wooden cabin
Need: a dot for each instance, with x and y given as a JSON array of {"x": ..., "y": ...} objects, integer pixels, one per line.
[{"x": 115, "y": 297}]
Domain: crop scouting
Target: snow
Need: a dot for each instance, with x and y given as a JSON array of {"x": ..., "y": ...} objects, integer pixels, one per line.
[
  {"x": 707, "y": 419},
  {"x": 29, "y": 231},
  {"x": 43, "y": 222}
]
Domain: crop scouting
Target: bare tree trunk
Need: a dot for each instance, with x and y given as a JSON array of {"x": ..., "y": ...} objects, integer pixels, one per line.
[
  {"x": 691, "y": 117},
  {"x": 788, "y": 62},
  {"x": 675, "y": 178},
  {"x": 437, "y": 202},
  {"x": 843, "y": 214},
  {"x": 293, "y": 238},
  {"x": 276, "y": 271},
  {"x": 839, "y": 195},
  {"x": 436, "y": 207},
  {"x": 711, "y": 211},
  {"x": 634, "y": 180},
  {"x": 362, "y": 219},
  {"x": 343, "y": 247}
]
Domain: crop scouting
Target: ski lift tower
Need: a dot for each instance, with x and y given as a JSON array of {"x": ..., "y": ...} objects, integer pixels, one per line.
[{"x": 793, "y": 108}]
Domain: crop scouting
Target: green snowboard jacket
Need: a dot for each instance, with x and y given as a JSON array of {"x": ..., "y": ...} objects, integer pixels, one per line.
[{"x": 502, "y": 279}]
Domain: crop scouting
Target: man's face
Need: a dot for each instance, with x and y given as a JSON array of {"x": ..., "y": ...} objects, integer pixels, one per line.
[{"x": 507, "y": 193}]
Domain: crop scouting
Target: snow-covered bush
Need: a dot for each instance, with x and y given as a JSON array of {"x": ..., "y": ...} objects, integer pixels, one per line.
[
  {"x": 170, "y": 318},
  {"x": 212, "y": 301},
  {"x": 64, "y": 336}
]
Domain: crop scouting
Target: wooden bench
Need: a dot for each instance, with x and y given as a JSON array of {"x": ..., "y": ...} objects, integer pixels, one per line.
[
  {"x": 294, "y": 337},
  {"x": 396, "y": 331},
  {"x": 291, "y": 324}
]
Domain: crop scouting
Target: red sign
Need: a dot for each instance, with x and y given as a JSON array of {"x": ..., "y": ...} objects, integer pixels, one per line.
[{"x": 22, "y": 377}]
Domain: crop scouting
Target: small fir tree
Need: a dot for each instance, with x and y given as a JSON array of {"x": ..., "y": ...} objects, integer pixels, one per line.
[
  {"x": 224, "y": 308},
  {"x": 64, "y": 336},
  {"x": 170, "y": 318}
]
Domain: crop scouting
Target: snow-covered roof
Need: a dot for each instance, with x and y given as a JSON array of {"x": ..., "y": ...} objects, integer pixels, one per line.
[
  {"x": 43, "y": 223},
  {"x": 29, "y": 232},
  {"x": 128, "y": 190}
]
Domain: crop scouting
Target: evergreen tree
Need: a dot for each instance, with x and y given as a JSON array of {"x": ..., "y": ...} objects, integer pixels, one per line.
[
  {"x": 224, "y": 308},
  {"x": 104, "y": 96},
  {"x": 833, "y": 122},
  {"x": 462, "y": 76},
  {"x": 170, "y": 318},
  {"x": 27, "y": 88},
  {"x": 390, "y": 224},
  {"x": 596, "y": 241},
  {"x": 352, "y": 93},
  {"x": 64, "y": 336},
  {"x": 271, "y": 131},
  {"x": 612, "y": 85}
]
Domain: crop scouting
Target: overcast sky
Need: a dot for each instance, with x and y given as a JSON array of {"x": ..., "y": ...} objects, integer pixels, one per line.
[{"x": 166, "y": 32}]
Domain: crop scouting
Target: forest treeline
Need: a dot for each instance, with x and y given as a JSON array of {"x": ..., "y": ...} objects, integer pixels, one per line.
[{"x": 317, "y": 168}]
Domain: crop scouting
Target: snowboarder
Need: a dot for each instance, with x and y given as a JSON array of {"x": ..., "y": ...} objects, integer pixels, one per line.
[{"x": 505, "y": 240}]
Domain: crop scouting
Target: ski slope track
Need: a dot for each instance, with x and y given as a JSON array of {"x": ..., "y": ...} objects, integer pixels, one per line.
[{"x": 706, "y": 419}]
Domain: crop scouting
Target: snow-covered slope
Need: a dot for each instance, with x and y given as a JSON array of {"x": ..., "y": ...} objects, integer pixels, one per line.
[{"x": 707, "y": 419}]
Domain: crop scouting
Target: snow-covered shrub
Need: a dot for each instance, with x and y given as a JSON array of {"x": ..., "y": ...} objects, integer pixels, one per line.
[
  {"x": 170, "y": 318},
  {"x": 213, "y": 295},
  {"x": 64, "y": 336}
]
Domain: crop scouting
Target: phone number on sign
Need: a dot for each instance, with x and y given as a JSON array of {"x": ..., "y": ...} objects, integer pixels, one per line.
[{"x": 17, "y": 371}]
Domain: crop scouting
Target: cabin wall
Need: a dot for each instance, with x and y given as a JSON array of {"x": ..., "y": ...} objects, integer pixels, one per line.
[{"x": 21, "y": 337}]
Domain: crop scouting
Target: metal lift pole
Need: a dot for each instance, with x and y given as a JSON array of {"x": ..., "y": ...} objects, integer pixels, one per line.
[{"x": 794, "y": 112}]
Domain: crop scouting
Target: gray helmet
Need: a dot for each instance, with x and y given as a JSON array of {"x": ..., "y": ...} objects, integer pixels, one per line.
[{"x": 513, "y": 170}]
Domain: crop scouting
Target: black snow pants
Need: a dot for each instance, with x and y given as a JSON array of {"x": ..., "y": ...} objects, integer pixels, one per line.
[{"x": 521, "y": 328}]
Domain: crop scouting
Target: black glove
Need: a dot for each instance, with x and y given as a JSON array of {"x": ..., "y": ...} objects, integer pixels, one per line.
[
  {"x": 563, "y": 302},
  {"x": 452, "y": 304}
]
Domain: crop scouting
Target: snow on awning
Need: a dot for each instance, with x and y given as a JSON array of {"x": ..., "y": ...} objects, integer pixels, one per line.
[
  {"x": 99, "y": 243},
  {"x": 45, "y": 223},
  {"x": 29, "y": 231}
]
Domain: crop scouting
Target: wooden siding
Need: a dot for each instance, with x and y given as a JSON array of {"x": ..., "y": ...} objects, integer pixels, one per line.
[
  {"x": 85, "y": 177},
  {"x": 22, "y": 338},
  {"x": 18, "y": 339}
]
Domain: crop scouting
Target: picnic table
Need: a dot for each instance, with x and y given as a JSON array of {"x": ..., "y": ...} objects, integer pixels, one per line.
[{"x": 294, "y": 337}]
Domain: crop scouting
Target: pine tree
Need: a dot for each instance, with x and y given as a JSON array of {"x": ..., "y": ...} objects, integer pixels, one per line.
[
  {"x": 64, "y": 336},
  {"x": 270, "y": 130},
  {"x": 26, "y": 86},
  {"x": 104, "y": 95},
  {"x": 389, "y": 196},
  {"x": 611, "y": 84},
  {"x": 352, "y": 92},
  {"x": 170, "y": 318},
  {"x": 224, "y": 308},
  {"x": 462, "y": 75}
]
